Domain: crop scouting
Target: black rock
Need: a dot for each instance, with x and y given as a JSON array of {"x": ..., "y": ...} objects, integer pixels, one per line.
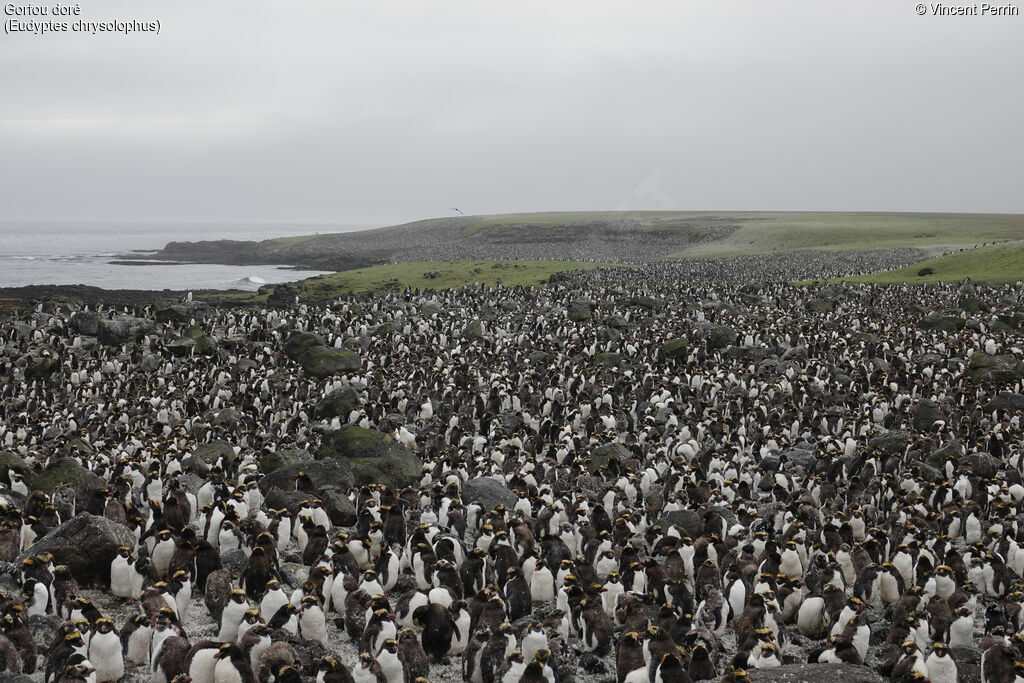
[
  {"x": 87, "y": 544},
  {"x": 338, "y": 403},
  {"x": 373, "y": 457},
  {"x": 488, "y": 493},
  {"x": 320, "y": 472},
  {"x": 926, "y": 413}
]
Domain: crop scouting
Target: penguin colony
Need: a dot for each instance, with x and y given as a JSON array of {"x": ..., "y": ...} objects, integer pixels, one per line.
[{"x": 801, "y": 482}]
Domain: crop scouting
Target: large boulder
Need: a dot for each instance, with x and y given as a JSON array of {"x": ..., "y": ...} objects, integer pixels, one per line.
[
  {"x": 578, "y": 311},
  {"x": 338, "y": 403},
  {"x": 322, "y": 361},
  {"x": 816, "y": 673},
  {"x": 949, "y": 451},
  {"x": 689, "y": 521},
  {"x": 926, "y": 413},
  {"x": 374, "y": 457},
  {"x": 983, "y": 465},
  {"x": 284, "y": 295},
  {"x": 123, "y": 329},
  {"x": 69, "y": 471},
  {"x": 488, "y": 493},
  {"x": 275, "y": 460},
  {"x": 675, "y": 348},
  {"x": 938, "y": 322},
  {"x": 300, "y": 342},
  {"x": 181, "y": 313},
  {"x": 86, "y": 322},
  {"x": 41, "y": 368},
  {"x": 1006, "y": 400},
  {"x": 891, "y": 443},
  {"x": 86, "y": 544},
  {"x": 206, "y": 455},
  {"x": 721, "y": 336},
  {"x": 182, "y": 346},
  {"x": 474, "y": 330},
  {"x": 9, "y": 461},
  {"x": 510, "y": 421},
  {"x": 998, "y": 369},
  {"x": 605, "y": 454},
  {"x": 320, "y": 472},
  {"x": 609, "y": 358},
  {"x": 818, "y": 306},
  {"x": 340, "y": 510}
]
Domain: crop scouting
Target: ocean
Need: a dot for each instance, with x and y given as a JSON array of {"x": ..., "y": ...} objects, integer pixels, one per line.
[{"x": 80, "y": 253}]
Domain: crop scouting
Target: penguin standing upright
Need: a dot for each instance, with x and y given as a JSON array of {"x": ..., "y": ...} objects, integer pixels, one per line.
[
  {"x": 122, "y": 575},
  {"x": 232, "y": 615},
  {"x": 135, "y": 638},
  {"x": 105, "y": 651},
  {"x": 312, "y": 621},
  {"x": 438, "y": 629},
  {"x": 232, "y": 665}
]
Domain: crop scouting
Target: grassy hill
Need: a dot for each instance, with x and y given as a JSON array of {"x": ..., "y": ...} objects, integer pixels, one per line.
[
  {"x": 994, "y": 264},
  {"x": 615, "y": 237},
  {"x": 762, "y": 233}
]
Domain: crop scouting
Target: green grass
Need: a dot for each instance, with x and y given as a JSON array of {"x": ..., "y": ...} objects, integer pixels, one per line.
[
  {"x": 996, "y": 264},
  {"x": 285, "y": 242},
  {"x": 447, "y": 275},
  {"x": 642, "y": 219},
  {"x": 762, "y": 233}
]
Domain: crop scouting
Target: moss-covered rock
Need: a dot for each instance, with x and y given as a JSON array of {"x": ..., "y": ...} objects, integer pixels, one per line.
[
  {"x": 42, "y": 368},
  {"x": 818, "y": 306},
  {"x": 609, "y": 359},
  {"x": 334, "y": 473},
  {"x": 321, "y": 361},
  {"x": 182, "y": 346},
  {"x": 275, "y": 460},
  {"x": 206, "y": 455},
  {"x": 579, "y": 311},
  {"x": 123, "y": 329},
  {"x": 941, "y": 323},
  {"x": 338, "y": 403},
  {"x": 1006, "y": 400},
  {"x": 69, "y": 471},
  {"x": 609, "y": 452},
  {"x": 374, "y": 457},
  {"x": 722, "y": 336},
  {"x": 998, "y": 369},
  {"x": 926, "y": 413},
  {"x": 9, "y": 461},
  {"x": 474, "y": 330},
  {"x": 973, "y": 304},
  {"x": 675, "y": 348},
  {"x": 300, "y": 342}
]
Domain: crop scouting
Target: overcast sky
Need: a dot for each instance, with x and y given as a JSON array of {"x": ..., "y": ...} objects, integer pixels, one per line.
[{"x": 383, "y": 111}]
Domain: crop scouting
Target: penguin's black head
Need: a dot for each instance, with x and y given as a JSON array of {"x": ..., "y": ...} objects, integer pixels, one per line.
[
  {"x": 164, "y": 535},
  {"x": 124, "y": 551},
  {"x": 328, "y": 664},
  {"x": 251, "y": 616},
  {"x": 238, "y": 595},
  {"x": 104, "y": 625},
  {"x": 366, "y": 659}
]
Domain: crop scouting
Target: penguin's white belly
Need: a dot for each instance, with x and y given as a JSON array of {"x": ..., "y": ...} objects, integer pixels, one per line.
[{"x": 203, "y": 666}]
